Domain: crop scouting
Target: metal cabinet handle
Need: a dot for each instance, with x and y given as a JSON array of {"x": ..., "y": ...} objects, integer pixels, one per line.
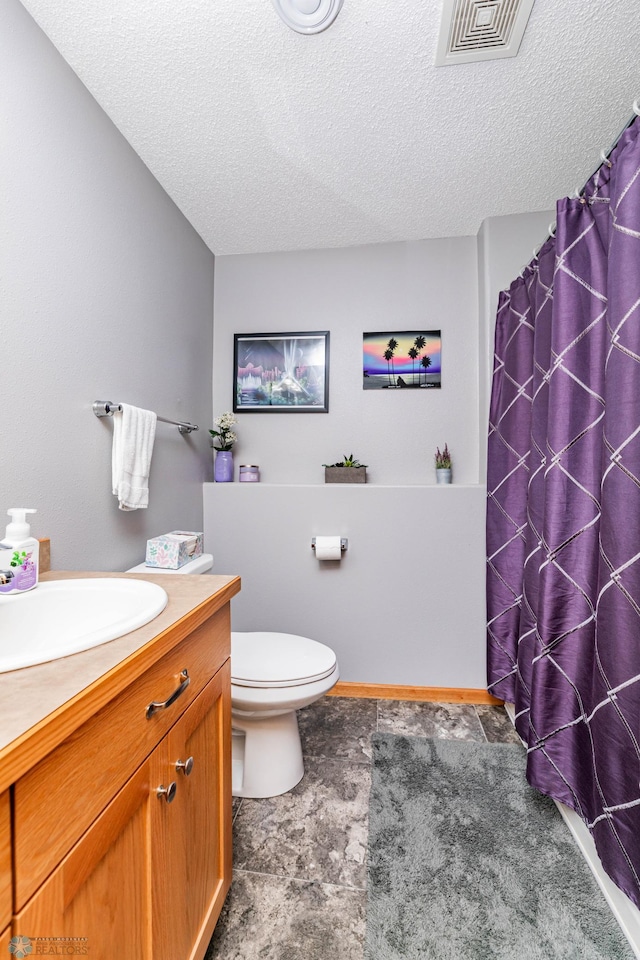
[
  {"x": 167, "y": 793},
  {"x": 186, "y": 766},
  {"x": 156, "y": 705}
]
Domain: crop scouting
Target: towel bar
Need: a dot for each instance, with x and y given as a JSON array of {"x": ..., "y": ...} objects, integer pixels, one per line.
[{"x": 105, "y": 408}]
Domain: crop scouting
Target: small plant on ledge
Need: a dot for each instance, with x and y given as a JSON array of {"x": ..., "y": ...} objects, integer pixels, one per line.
[
  {"x": 443, "y": 465},
  {"x": 347, "y": 470},
  {"x": 347, "y": 461},
  {"x": 443, "y": 460}
]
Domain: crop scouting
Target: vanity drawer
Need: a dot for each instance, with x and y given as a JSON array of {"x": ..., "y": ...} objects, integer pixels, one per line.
[{"x": 59, "y": 798}]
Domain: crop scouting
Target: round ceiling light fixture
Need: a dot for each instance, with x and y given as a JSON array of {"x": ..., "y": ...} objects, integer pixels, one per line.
[{"x": 308, "y": 16}]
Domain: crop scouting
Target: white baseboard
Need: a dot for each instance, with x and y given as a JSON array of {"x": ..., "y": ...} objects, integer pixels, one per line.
[{"x": 625, "y": 912}]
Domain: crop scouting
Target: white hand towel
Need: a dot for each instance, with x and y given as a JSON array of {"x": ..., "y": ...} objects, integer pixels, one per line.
[{"x": 134, "y": 431}]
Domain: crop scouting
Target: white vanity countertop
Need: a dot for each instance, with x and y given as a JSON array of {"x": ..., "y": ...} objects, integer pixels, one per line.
[{"x": 43, "y": 704}]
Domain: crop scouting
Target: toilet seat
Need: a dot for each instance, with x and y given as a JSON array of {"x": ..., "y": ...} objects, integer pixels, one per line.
[{"x": 264, "y": 659}]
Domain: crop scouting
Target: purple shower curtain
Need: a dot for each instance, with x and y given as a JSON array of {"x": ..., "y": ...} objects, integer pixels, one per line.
[{"x": 563, "y": 510}]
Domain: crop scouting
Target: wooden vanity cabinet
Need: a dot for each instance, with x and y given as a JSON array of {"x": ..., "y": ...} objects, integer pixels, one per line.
[{"x": 147, "y": 879}]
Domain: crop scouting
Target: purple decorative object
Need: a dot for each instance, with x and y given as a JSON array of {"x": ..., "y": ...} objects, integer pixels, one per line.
[
  {"x": 26, "y": 576},
  {"x": 563, "y": 510},
  {"x": 223, "y": 468}
]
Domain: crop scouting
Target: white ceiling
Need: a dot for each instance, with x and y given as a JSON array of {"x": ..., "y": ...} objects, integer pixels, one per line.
[{"x": 271, "y": 140}]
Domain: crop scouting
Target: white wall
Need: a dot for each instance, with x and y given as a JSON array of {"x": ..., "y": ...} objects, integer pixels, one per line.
[
  {"x": 429, "y": 284},
  {"x": 107, "y": 293}
]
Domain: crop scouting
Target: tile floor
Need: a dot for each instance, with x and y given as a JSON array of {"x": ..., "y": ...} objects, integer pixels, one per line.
[{"x": 299, "y": 883}]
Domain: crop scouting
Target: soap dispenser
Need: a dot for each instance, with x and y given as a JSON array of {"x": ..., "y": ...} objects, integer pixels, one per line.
[{"x": 18, "y": 554}]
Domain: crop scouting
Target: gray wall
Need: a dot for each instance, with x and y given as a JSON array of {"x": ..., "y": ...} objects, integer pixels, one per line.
[
  {"x": 505, "y": 247},
  {"x": 397, "y": 286},
  {"x": 406, "y": 604},
  {"x": 107, "y": 293}
]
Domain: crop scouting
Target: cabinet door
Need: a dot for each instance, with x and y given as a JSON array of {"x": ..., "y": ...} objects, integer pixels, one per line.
[
  {"x": 192, "y": 850},
  {"x": 102, "y": 890},
  {"x": 5, "y": 861},
  {"x": 148, "y": 879}
]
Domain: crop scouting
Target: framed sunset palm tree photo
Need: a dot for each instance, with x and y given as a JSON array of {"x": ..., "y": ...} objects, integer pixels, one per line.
[{"x": 411, "y": 359}]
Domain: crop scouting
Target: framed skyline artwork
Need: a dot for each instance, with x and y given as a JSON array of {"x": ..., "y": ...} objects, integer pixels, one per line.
[
  {"x": 408, "y": 360},
  {"x": 281, "y": 372}
]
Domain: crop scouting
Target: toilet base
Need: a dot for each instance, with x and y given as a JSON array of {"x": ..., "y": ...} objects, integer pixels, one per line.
[{"x": 266, "y": 755}]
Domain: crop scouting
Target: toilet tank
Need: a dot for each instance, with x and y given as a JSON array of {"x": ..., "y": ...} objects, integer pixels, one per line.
[{"x": 201, "y": 564}]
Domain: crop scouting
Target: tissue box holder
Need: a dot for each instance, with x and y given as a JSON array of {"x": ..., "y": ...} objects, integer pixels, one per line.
[{"x": 172, "y": 550}]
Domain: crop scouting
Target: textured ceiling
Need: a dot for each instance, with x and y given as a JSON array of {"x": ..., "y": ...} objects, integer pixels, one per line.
[{"x": 270, "y": 140}]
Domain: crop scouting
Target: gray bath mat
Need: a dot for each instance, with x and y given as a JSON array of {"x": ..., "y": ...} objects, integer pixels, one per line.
[{"x": 467, "y": 862}]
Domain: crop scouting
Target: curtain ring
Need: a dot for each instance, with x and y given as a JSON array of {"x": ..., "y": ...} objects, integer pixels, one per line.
[
  {"x": 636, "y": 108},
  {"x": 605, "y": 158},
  {"x": 552, "y": 229}
]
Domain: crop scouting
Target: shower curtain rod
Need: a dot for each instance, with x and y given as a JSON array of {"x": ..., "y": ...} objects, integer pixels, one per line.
[{"x": 604, "y": 158}]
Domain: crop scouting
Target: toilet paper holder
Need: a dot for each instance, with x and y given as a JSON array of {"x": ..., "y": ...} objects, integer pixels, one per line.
[{"x": 344, "y": 543}]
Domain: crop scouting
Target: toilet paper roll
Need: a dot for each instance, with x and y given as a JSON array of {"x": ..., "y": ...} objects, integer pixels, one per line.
[{"x": 328, "y": 548}]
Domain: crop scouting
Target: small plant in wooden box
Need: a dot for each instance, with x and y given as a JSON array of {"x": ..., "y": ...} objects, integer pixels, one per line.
[{"x": 347, "y": 470}]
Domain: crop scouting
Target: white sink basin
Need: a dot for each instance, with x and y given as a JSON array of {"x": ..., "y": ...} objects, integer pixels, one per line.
[{"x": 61, "y": 617}]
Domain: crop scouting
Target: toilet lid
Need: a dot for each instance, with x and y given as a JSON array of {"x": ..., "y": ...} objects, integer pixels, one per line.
[{"x": 278, "y": 660}]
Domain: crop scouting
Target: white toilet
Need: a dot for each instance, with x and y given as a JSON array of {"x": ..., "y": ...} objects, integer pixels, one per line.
[
  {"x": 200, "y": 565},
  {"x": 272, "y": 676}
]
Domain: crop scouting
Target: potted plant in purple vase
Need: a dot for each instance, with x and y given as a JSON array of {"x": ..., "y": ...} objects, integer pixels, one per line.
[{"x": 222, "y": 441}]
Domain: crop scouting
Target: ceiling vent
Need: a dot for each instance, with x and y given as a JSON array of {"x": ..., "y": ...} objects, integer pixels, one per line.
[{"x": 474, "y": 30}]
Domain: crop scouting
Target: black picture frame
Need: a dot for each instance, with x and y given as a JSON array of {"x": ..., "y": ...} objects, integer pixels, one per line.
[{"x": 281, "y": 372}]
